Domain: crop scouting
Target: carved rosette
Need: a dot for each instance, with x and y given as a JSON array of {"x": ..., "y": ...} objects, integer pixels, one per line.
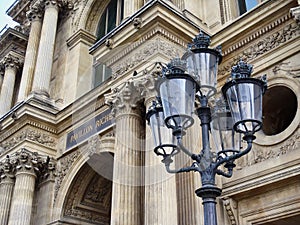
[{"x": 124, "y": 100}]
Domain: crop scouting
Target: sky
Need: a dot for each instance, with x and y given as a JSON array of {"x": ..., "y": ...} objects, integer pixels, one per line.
[{"x": 5, "y": 19}]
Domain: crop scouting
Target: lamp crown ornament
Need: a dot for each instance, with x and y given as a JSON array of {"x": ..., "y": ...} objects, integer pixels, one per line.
[
  {"x": 241, "y": 70},
  {"x": 175, "y": 66},
  {"x": 201, "y": 41}
]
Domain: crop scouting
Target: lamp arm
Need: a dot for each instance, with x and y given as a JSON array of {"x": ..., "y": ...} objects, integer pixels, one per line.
[
  {"x": 184, "y": 169},
  {"x": 182, "y": 148},
  {"x": 224, "y": 174},
  {"x": 236, "y": 156}
]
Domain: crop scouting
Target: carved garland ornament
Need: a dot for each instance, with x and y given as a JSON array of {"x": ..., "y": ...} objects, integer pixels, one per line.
[
  {"x": 34, "y": 135},
  {"x": 263, "y": 46}
]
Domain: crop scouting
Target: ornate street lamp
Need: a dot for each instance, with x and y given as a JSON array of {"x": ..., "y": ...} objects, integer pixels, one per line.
[{"x": 186, "y": 82}]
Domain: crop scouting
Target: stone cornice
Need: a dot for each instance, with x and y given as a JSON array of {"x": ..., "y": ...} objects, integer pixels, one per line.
[
  {"x": 81, "y": 36},
  {"x": 13, "y": 41}
]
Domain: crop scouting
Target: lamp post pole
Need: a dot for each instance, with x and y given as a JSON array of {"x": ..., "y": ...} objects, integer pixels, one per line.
[{"x": 239, "y": 113}]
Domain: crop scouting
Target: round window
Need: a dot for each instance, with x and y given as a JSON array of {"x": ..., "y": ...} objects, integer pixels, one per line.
[{"x": 279, "y": 109}]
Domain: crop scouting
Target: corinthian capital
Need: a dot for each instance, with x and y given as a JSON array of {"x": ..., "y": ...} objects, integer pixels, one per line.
[
  {"x": 124, "y": 100},
  {"x": 35, "y": 13},
  {"x": 11, "y": 61},
  {"x": 6, "y": 170}
]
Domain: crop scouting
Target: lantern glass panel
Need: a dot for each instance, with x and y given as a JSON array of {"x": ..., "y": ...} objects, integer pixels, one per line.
[
  {"x": 223, "y": 135},
  {"x": 165, "y": 142},
  {"x": 178, "y": 96},
  {"x": 245, "y": 101},
  {"x": 203, "y": 67}
]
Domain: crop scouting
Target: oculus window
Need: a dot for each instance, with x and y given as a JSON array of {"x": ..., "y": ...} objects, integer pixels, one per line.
[
  {"x": 111, "y": 17},
  {"x": 279, "y": 109}
]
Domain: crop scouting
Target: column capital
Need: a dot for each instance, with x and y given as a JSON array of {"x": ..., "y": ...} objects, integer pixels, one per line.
[
  {"x": 35, "y": 13},
  {"x": 11, "y": 61},
  {"x": 124, "y": 100},
  {"x": 146, "y": 82},
  {"x": 6, "y": 171}
]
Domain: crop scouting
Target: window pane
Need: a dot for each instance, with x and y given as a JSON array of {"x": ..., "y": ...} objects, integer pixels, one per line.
[
  {"x": 102, "y": 73},
  {"x": 112, "y": 15},
  {"x": 250, "y": 4},
  {"x": 101, "y": 26}
]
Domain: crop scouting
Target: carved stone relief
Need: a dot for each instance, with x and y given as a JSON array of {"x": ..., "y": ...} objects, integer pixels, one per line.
[
  {"x": 262, "y": 46},
  {"x": 30, "y": 134},
  {"x": 263, "y": 153},
  {"x": 89, "y": 197}
]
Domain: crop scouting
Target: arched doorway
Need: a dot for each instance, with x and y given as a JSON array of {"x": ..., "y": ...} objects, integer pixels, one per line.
[{"x": 88, "y": 200}]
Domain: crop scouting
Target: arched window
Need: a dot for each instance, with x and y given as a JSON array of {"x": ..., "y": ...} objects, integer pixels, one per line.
[{"x": 111, "y": 17}]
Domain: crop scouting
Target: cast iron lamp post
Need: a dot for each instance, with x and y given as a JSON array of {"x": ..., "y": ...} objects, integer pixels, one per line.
[{"x": 190, "y": 82}]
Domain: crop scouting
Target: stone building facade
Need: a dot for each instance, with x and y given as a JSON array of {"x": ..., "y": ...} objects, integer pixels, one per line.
[{"x": 76, "y": 79}]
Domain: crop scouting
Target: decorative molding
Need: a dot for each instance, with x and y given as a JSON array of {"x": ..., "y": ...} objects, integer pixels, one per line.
[
  {"x": 287, "y": 33},
  {"x": 64, "y": 165},
  {"x": 148, "y": 37},
  {"x": 231, "y": 209},
  {"x": 265, "y": 153},
  {"x": 29, "y": 134},
  {"x": 156, "y": 46},
  {"x": 287, "y": 69},
  {"x": 257, "y": 34}
]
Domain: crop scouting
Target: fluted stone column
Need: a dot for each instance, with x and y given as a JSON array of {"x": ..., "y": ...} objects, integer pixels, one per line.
[
  {"x": 6, "y": 190},
  {"x": 35, "y": 16},
  {"x": 160, "y": 207},
  {"x": 127, "y": 196},
  {"x": 7, "y": 90},
  {"x": 42, "y": 75},
  {"x": 23, "y": 194}
]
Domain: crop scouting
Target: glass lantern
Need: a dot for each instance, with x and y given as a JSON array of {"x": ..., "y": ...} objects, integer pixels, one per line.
[
  {"x": 244, "y": 96},
  {"x": 202, "y": 64},
  {"x": 165, "y": 142}
]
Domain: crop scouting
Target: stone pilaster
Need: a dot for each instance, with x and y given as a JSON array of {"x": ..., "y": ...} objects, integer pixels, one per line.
[
  {"x": 35, "y": 16},
  {"x": 11, "y": 64},
  {"x": 160, "y": 207},
  {"x": 23, "y": 194},
  {"x": 42, "y": 74},
  {"x": 6, "y": 189},
  {"x": 127, "y": 196}
]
